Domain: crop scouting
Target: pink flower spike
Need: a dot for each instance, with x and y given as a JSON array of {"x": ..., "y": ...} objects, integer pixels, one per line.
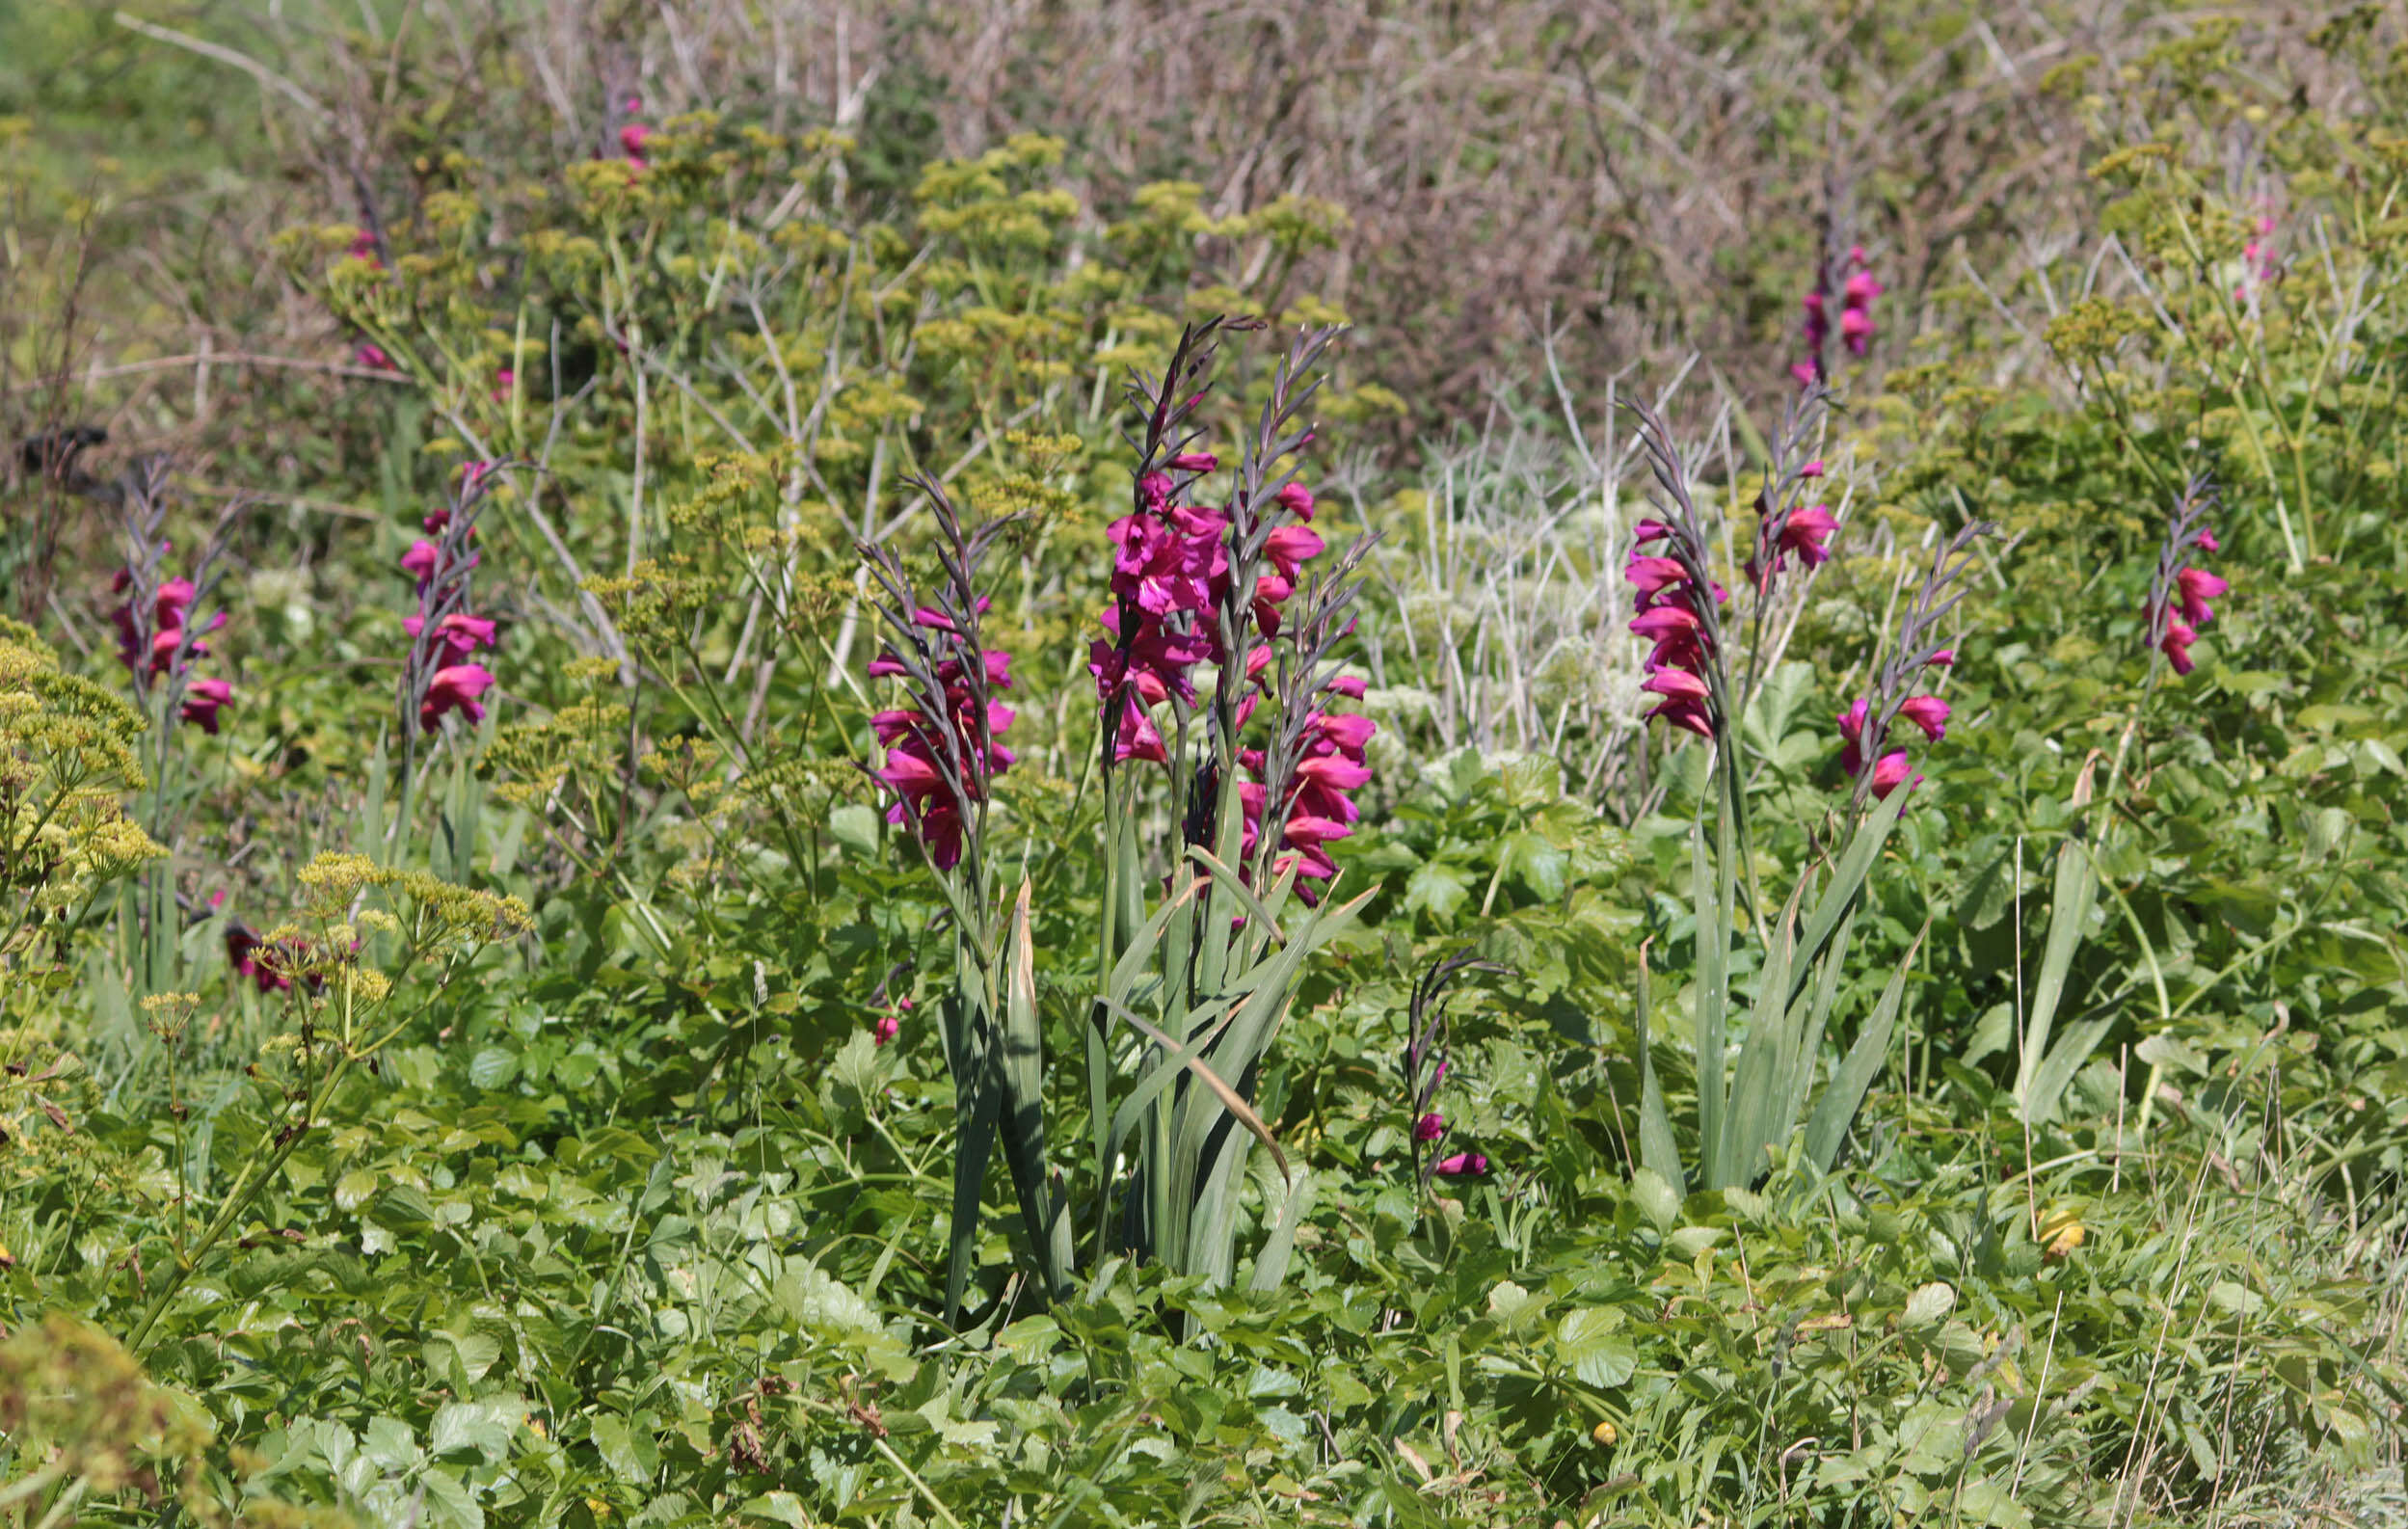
[
  {"x": 1928, "y": 712},
  {"x": 1430, "y": 1127},
  {"x": 1855, "y": 327}
]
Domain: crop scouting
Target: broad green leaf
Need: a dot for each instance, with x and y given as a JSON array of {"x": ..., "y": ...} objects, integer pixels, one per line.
[{"x": 1439, "y": 888}]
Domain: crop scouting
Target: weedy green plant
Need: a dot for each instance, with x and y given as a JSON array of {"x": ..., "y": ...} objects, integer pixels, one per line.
[{"x": 373, "y": 950}]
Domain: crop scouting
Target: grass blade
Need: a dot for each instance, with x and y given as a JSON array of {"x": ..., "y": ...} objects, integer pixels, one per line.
[
  {"x": 2076, "y": 893},
  {"x": 1840, "y": 1101},
  {"x": 1658, "y": 1150},
  {"x": 1855, "y": 863}
]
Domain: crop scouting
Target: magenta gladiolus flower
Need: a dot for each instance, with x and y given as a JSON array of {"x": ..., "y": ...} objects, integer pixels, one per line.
[
  {"x": 1805, "y": 532},
  {"x": 1662, "y": 623},
  {"x": 886, "y": 1029},
  {"x": 455, "y": 688},
  {"x": 1852, "y": 734},
  {"x": 1430, "y": 1127},
  {"x": 372, "y": 355},
  {"x": 1348, "y": 733},
  {"x": 1462, "y": 1166},
  {"x": 2194, "y": 588},
  {"x": 1890, "y": 773},
  {"x": 2177, "y": 645},
  {"x": 1291, "y": 546},
  {"x": 1928, "y": 712},
  {"x": 1651, "y": 575},
  {"x": 1334, "y": 771},
  {"x": 202, "y": 700},
  {"x": 456, "y": 636},
  {"x": 1678, "y": 684},
  {"x": 1306, "y": 831},
  {"x": 163, "y": 646},
  {"x": 1173, "y": 571}
]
